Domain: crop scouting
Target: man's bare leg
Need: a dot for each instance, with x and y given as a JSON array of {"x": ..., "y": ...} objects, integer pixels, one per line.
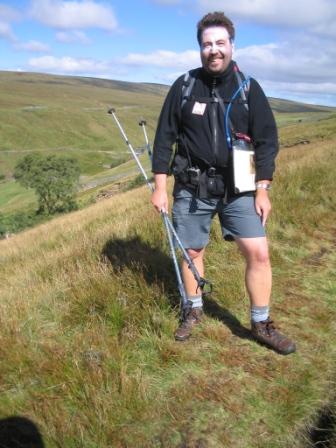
[
  {"x": 258, "y": 279},
  {"x": 190, "y": 283},
  {"x": 258, "y": 274}
]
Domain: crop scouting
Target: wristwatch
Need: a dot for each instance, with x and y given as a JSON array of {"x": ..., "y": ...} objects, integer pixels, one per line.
[{"x": 263, "y": 186}]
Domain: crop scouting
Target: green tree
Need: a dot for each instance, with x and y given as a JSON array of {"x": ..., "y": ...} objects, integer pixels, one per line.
[{"x": 54, "y": 179}]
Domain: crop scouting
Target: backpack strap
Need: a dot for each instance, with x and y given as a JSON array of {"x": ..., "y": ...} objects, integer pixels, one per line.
[
  {"x": 189, "y": 81},
  {"x": 245, "y": 90},
  {"x": 187, "y": 86}
]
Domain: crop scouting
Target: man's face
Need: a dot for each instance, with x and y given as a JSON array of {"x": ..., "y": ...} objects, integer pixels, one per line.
[{"x": 216, "y": 49}]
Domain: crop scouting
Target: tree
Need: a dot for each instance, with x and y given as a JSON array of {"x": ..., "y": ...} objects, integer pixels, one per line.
[{"x": 54, "y": 179}]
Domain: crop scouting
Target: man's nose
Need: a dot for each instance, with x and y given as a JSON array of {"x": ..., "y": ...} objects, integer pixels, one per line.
[{"x": 213, "y": 48}]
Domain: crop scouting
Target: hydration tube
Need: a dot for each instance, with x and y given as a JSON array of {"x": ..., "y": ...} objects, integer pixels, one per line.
[{"x": 226, "y": 117}]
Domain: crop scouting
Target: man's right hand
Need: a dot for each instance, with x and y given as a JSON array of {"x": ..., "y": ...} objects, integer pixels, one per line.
[
  {"x": 160, "y": 200},
  {"x": 160, "y": 196}
]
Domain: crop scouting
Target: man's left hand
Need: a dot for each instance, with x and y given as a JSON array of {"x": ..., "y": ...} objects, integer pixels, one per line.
[{"x": 262, "y": 205}]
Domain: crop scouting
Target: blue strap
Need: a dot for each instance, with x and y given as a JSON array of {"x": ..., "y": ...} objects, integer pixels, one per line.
[{"x": 226, "y": 117}]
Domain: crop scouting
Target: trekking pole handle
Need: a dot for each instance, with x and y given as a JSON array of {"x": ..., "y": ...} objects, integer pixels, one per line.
[
  {"x": 142, "y": 123},
  {"x": 143, "y": 172}
]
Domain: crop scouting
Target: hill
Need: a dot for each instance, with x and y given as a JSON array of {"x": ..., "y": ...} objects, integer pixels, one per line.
[
  {"x": 67, "y": 115},
  {"x": 63, "y": 113},
  {"x": 287, "y": 106},
  {"x": 89, "y": 306},
  {"x": 58, "y": 113}
]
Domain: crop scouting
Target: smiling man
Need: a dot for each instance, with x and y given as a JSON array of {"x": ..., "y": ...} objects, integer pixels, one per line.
[
  {"x": 195, "y": 117},
  {"x": 216, "y": 49}
]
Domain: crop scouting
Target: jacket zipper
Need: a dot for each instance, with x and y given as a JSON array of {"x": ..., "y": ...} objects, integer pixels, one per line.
[{"x": 214, "y": 119}]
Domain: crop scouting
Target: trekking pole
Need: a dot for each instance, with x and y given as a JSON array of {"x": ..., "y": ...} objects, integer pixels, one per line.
[
  {"x": 142, "y": 123},
  {"x": 184, "y": 299},
  {"x": 201, "y": 282}
]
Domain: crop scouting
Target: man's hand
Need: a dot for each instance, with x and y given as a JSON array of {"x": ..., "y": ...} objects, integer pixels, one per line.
[
  {"x": 160, "y": 200},
  {"x": 262, "y": 204},
  {"x": 160, "y": 196}
]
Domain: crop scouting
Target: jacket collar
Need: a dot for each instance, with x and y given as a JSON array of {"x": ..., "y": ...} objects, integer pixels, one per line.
[{"x": 220, "y": 78}]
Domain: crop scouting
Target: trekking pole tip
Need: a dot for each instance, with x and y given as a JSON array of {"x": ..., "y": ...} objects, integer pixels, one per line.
[
  {"x": 111, "y": 110},
  {"x": 141, "y": 122}
]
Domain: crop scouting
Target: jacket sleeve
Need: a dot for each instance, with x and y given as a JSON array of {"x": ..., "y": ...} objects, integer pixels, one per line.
[
  {"x": 263, "y": 130},
  {"x": 167, "y": 129}
]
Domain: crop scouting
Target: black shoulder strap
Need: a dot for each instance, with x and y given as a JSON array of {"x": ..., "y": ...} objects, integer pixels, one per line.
[
  {"x": 187, "y": 86},
  {"x": 245, "y": 90}
]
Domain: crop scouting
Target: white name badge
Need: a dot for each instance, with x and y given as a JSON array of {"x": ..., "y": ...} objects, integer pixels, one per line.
[{"x": 199, "y": 108}]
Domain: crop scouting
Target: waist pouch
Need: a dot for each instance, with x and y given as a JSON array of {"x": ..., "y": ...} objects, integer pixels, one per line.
[
  {"x": 210, "y": 182},
  {"x": 216, "y": 185}
]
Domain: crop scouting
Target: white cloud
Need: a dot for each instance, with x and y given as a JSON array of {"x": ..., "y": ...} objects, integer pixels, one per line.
[
  {"x": 163, "y": 58},
  {"x": 33, "y": 46},
  {"x": 319, "y": 93},
  {"x": 73, "y": 36},
  {"x": 300, "y": 69},
  {"x": 286, "y": 13},
  {"x": 302, "y": 88},
  {"x": 74, "y": 14},
  {"x": 8, "y": 14},
  {"x": 6, "y": 32},
  {"x": 69, "y": 65},
  {"x": 298, "y": 60}
]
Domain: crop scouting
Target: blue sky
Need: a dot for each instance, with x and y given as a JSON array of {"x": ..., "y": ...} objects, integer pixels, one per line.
[{"x": 287, "y": 45}]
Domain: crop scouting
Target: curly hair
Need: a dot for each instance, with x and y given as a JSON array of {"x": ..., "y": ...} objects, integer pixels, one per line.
[{"x": 215, "y": 19}]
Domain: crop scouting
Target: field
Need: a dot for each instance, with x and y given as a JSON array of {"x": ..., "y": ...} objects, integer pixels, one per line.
[{"x": 89, "y": 304}]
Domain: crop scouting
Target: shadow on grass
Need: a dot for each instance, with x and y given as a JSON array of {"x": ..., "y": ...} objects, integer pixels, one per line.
[
  {"x": 323, "y": 433},
  {"x": 148, "y": 261},
  {"x": 212, "y": 309},
  {"x": 19, "y": 432},
  {"x": 157, "y": 268}
]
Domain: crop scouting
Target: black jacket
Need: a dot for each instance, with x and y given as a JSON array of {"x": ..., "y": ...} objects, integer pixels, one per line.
[{"x": 204, "y": 135}]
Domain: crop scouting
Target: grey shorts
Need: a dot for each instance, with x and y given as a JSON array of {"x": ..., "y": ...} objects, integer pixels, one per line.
[{"x": 192, "y": 218}]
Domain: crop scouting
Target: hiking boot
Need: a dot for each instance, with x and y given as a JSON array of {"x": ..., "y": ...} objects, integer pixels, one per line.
[
  {"x": 193, "y": 318},
  {"x": 266, "y": 333}
]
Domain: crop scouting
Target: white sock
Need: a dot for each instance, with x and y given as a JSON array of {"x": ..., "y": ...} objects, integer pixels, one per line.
[
  {"x": 259, "y": 313},
  {"x": 197, "y": 301}
]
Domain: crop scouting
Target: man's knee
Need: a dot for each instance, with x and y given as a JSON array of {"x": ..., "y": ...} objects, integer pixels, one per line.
[
  {"x": 195, "y": 253},
  {"x": 256, "y": 251},
  {"x": 259, "y": 255}
]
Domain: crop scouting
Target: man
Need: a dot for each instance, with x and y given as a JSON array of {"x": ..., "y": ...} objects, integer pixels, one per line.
[{"x": 196, "y": 123}]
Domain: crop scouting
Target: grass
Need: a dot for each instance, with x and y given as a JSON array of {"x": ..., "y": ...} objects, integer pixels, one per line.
[
  {"x": 14, "y": 197},
  {"x": 88, "y": 307},
  {"x": 45, "y": 112}
]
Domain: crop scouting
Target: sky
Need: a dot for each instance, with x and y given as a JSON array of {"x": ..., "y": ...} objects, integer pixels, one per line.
[{"x": 287, "y": 45}]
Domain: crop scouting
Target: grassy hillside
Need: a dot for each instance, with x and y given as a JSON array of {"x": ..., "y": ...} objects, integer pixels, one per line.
[
  {"x": 67, "y": 115},
  {"x": 88, "y": 307},
  {"x": 59, "y": 113}
]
